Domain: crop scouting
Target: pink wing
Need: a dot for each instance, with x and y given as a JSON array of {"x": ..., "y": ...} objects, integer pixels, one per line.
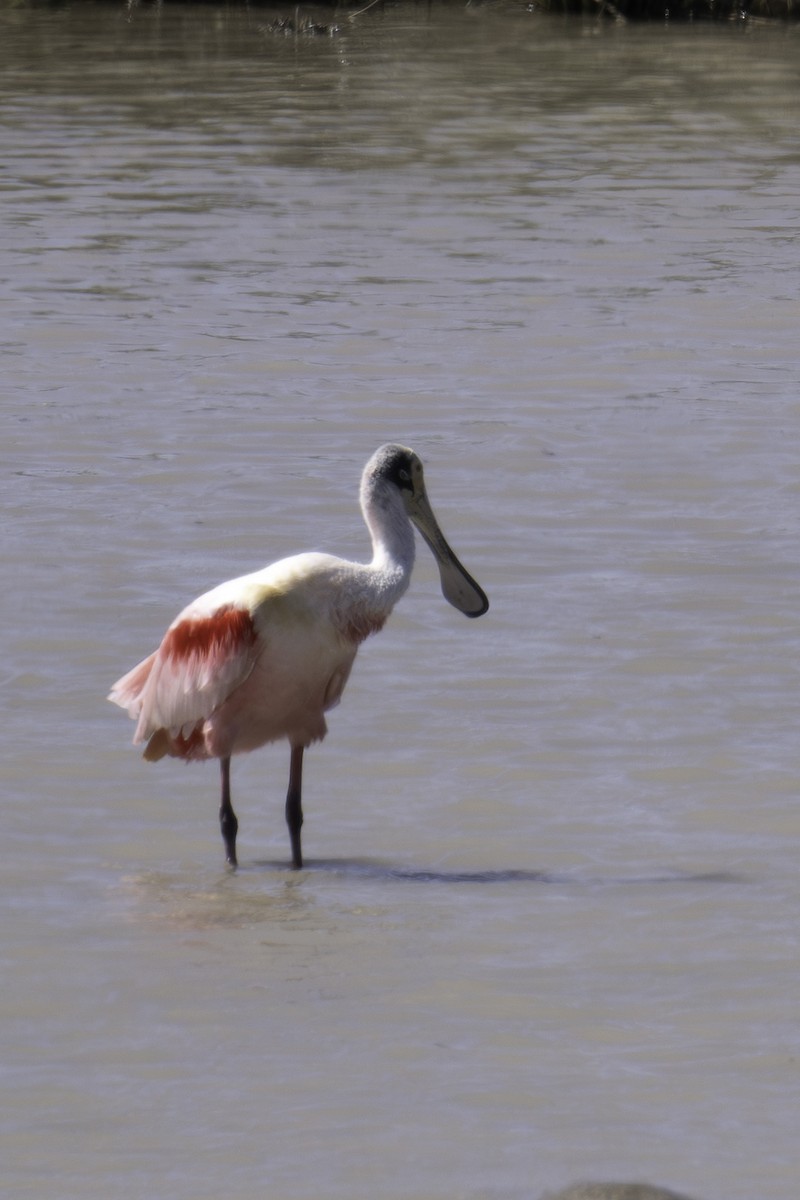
[{"x": 201, "y": 660}]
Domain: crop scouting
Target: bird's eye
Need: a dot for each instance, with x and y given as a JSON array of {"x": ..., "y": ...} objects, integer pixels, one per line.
[{"x": 403, "y": 475}]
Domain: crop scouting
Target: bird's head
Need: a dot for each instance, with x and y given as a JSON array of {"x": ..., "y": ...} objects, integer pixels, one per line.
[{"x": 398, "y": 467}]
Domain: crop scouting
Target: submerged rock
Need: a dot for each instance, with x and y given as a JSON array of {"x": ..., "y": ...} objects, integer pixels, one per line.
[{"x": 614, "y": 1191}]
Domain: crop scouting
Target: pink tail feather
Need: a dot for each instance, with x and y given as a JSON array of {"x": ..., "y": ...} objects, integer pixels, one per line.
[{"x": 127, "y": 691}]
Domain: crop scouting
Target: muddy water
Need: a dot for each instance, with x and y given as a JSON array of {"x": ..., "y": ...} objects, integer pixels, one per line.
[{"x": 549, "y": 927}]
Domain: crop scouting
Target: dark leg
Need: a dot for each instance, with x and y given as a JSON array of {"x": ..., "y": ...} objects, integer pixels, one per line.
[
  {"x": 227, "y": 817},
  {"x": 294, "y": 805}
]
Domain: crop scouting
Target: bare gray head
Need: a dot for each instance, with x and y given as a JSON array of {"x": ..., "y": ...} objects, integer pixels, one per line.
[{"x": 397, "y": 467}]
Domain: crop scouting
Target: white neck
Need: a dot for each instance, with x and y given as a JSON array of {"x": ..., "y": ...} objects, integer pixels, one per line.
[{"x": 392, "y": 535}]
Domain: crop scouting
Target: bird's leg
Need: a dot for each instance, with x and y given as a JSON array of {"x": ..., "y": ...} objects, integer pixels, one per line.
[
  {"x": 227, "y": 817},
  {"x": 294, "y": 805}
]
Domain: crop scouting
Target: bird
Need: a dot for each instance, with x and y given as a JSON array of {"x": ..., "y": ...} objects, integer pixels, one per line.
[{"x": 266, "y": 655}]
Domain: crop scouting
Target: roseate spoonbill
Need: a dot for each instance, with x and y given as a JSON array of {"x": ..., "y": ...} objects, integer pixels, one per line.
[{"x": 265, "y": 656}]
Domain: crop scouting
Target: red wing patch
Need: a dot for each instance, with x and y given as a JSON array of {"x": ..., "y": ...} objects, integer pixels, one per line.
[{"x": 210, "y": 638}]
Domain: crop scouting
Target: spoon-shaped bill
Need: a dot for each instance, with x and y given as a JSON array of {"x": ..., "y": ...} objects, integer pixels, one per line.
[{"x": 458, "y": 587}]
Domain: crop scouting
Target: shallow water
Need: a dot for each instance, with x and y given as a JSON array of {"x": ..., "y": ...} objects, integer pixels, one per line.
[{"x": 549, "y": 926}]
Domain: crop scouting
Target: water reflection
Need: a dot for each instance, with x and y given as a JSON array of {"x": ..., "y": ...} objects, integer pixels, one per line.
[{"x": 176, "y": 901}]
